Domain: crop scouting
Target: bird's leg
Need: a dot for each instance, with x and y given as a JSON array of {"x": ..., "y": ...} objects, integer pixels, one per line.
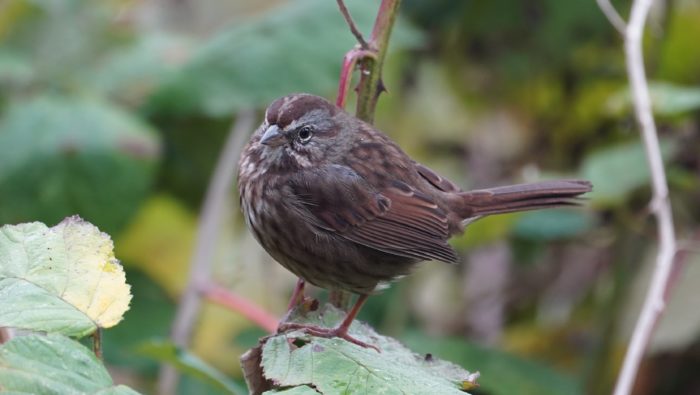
[
  {"x": 297, "y": 295},
  {"x": 296, "y": 299},
  {"x": 340, "y": 331}
]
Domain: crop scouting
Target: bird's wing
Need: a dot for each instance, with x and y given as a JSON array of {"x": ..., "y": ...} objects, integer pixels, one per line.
[
  {"x": 397, "y": 219},
  {"x": 435, "y": 179}
]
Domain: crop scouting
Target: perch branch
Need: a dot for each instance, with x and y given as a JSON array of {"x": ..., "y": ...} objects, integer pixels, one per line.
[
  {"x": 207, "y": 236},
  {"x": 660, "y": 205}
]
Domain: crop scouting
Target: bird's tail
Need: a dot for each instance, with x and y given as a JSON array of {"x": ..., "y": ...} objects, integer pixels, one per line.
[{"x": 522, "y": 197}]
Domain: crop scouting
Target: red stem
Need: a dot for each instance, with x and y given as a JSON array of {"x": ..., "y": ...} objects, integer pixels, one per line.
[
  {"x": 349, "y": 62},
  {"x": 239, "y": 304},
  {"x": 297, "y": 295}
]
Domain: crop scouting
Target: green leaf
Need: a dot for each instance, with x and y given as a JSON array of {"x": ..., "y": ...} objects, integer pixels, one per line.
[
  {"x": 485, "y": 231},
  {"x": 297, "y": 47},
  {"x": 61, "y": 156},
  {"x": 618, "y": 170},
  {"x": 190, "y": 364},
  {"x": 63, "y": 279},
  {"x": 667, "y": 99},
  {"x": 300, "y": 390},
  {"x": 332, "y": 366},
  {"x": 62, "y": 39},
  {"x": 679, "y": 58},
  {"x": 15, "y": 70},
  {"x": 502, "y": 373},
  {"x": 53, "y": 364},
  {"x": 550, "y": 225},
  {"x": 133, "y": 73}
]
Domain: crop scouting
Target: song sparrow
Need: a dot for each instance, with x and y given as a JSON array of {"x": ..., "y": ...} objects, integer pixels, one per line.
[{"x": 340, "y": 205}]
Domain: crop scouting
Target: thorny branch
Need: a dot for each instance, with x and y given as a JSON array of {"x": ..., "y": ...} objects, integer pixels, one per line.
[
  {"x": 371, "y": 85},
  {"x": 370, "y": 58},
  {"x": 660, "y": 205},
  {"x": 349, "y": 62}
]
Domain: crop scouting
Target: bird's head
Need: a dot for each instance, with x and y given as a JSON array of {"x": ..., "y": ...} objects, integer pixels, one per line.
[{"x": 302, "y": 130}]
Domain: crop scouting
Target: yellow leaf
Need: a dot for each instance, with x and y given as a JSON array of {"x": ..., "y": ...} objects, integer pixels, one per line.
[
  {"x": 96, "y": 284},
  {"x": 63, "y": 279}
]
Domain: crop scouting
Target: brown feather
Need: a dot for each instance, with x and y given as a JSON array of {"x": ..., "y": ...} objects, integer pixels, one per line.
[
  {"x": 435, "y": 179},
  {"x": 399, "y": 220},
  {"x": 545, "y": 194}
]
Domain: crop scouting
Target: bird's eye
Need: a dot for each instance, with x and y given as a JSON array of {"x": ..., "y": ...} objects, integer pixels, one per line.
[{"x": 305, "y": 133}]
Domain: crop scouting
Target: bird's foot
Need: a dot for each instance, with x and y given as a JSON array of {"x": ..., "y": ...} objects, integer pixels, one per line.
[{"x": 327, "y": 333}]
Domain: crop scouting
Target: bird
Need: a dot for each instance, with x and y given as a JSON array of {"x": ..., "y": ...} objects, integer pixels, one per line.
[{"x": 343, "y": 207}]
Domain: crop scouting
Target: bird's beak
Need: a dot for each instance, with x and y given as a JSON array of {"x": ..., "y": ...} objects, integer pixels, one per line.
[{"x": 273, "y": 136}]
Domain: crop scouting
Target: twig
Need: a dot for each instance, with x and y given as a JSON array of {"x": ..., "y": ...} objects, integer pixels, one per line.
[
  {"x": 688, "y": 246},
  {"x": 5, "y": 335},
  {"x": 654, "y": 303},
  {"x": 613, "y": 17},
  {"x": 207, "y": 236},
  {"x": 234, "y": 302},
  {"x": 353, "y": 28},
  {"x": 689, "y": 249},
  {"x": 684, "y": 248},
  {"x": 97, "y": 343}
]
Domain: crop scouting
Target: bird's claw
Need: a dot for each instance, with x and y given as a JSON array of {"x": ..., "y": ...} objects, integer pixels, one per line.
[{"x": 327, "y": 333}]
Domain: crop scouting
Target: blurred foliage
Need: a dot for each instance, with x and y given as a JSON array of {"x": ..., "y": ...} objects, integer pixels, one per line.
[
  {"x": 158, "y": 241},
  {"x": 60, "y": 151},
  {"x": 186, "y": 362},
  {"x": 149, "y": 304},
  {"x": 667, "y": 99},
  {"x": 552, "y": 225},
  {"x": 116, "y": 110},
  {"x": 233, "y": 70},
  {"x": 618, "y": 170}
]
